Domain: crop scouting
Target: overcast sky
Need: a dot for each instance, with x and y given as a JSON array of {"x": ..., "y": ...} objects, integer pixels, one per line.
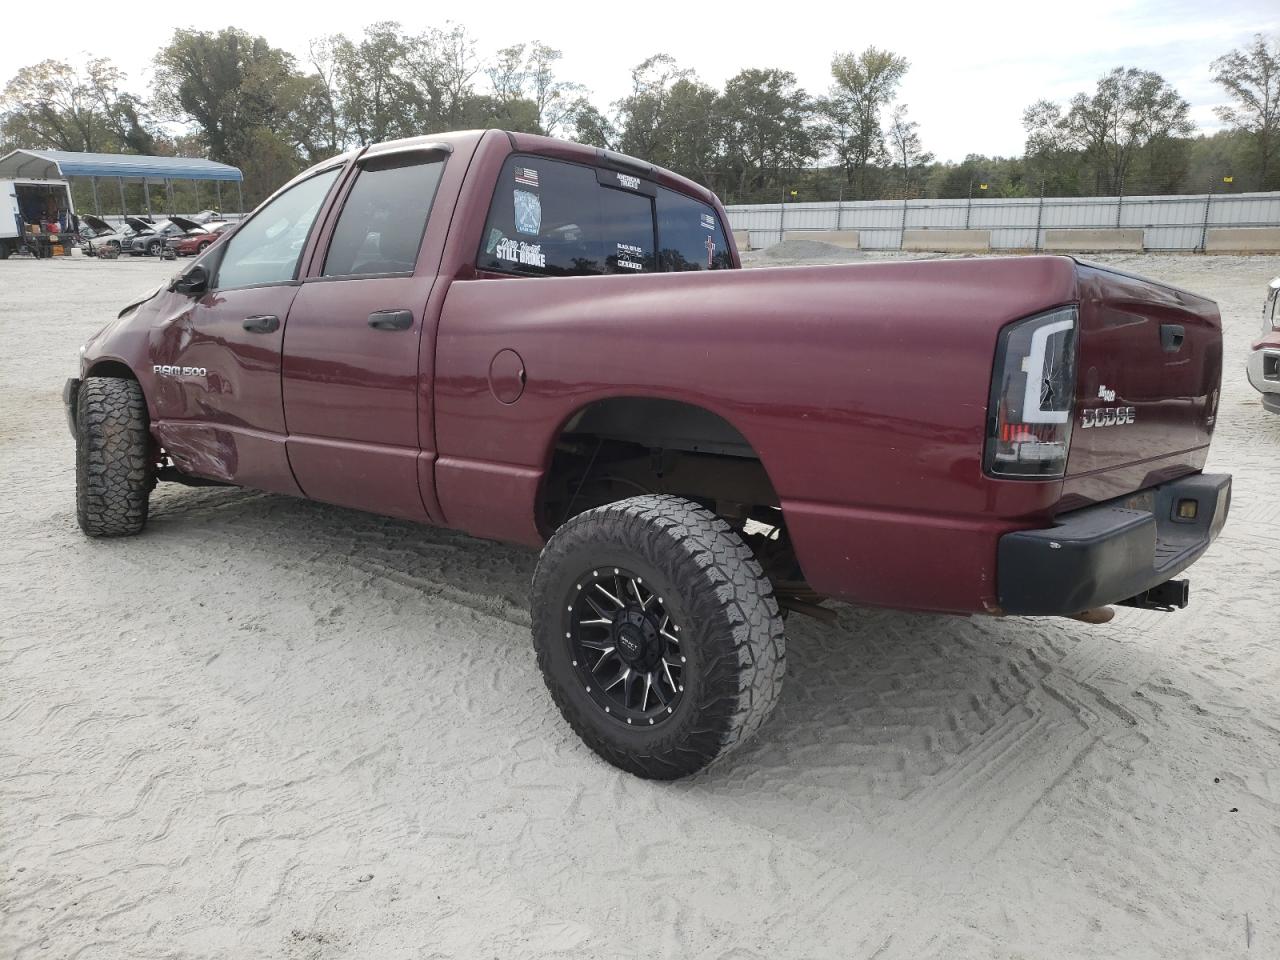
[{"x": 974, "y": 66}]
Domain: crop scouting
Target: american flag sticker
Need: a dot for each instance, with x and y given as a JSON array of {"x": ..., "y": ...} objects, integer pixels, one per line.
[{"x": 527, "y": 175}]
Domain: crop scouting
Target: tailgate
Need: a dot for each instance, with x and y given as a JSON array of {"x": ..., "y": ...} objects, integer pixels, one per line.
[{"x": 1148, "y": 375}]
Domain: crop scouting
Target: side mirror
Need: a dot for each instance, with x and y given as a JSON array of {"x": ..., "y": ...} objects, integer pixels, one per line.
[{"x": 193, "y": 282}]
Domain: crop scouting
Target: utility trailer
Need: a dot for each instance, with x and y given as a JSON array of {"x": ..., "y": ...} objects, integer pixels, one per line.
[{"x": 37, "y": 215}]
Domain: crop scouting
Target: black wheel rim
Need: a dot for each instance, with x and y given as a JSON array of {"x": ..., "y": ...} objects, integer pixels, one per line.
[{"x": 625, "y": 646}]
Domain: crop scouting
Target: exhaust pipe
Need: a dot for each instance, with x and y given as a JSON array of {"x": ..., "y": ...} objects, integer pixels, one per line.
[
  {"x": 1095, "y": 615},
  {"x": 1166, "y": 597}
]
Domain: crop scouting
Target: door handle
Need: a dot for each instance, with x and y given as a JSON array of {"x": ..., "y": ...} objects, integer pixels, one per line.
[
  {"x": 1171, "y": 337},
  {"x": 391, "y": 319},
  {"x": 264, "y": 324}
]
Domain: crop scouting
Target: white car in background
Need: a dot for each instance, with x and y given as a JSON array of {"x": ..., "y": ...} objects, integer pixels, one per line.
[{"x": 1264, "y": 355}]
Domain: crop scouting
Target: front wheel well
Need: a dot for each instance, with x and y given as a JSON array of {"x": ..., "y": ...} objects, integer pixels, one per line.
[{"x": 111, "y": 368}]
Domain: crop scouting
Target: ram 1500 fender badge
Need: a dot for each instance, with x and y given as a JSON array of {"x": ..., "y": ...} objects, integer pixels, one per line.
[
  {"x": 164, "y": 370},
  {"x": 1108, "y": 417}
]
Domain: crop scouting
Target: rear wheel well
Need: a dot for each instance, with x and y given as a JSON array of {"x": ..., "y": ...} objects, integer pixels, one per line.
[{"x": 624, "y": 447}]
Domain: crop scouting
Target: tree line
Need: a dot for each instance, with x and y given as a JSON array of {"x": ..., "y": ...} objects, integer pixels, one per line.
[{"x": 233, "y": 97}]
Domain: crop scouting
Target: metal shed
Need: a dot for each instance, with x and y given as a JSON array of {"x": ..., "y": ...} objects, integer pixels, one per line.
[{"x": 64, "y": 164}]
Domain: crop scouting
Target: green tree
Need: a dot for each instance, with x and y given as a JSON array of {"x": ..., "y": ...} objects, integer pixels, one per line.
[
  {"x": 1251, "y": 78},
  {"x": 864, "y": 84},
  {"x": 906, "y": 151},
  {"x": 229, "y": 84},
  {"x": 55, "y": 105},
  {"x": 767, "y": 132},
  {"x": 641, "y": 115},
  {"x": 1132, "y": 116}
]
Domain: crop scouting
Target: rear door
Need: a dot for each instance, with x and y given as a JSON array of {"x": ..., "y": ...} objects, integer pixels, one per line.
[
  {"x": 354, "y": 390},
  {"x": 216, "y": 358}
]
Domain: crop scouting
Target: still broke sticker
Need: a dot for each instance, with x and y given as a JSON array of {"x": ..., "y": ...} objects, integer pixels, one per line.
[{"x": 517, "y": 251}]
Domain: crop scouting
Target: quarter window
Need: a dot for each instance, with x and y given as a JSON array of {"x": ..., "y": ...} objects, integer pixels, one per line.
[
  {"x": 383, "y": 218},
  {"x": 266, "y": 249}
]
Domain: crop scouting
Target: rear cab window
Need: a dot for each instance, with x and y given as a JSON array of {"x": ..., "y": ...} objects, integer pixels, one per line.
[{"x": 555, "y": 218}]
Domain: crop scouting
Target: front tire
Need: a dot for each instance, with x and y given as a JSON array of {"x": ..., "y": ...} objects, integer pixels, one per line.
[
  {"x": 657, "y": 634},
  {"x": 113, "y": 457}
]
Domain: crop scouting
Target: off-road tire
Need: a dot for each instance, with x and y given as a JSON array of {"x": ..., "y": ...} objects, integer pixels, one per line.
[
  {"x": 5, "y": 250},
  {"x": 712, "y": 583},
  {"x": 113, "y": 457}
]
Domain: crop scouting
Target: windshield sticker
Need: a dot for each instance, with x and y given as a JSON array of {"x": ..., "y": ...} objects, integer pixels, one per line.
[
  {"x": 495, "y": 237},
  {"x": 517, "y": 251},
  {"x": 708, "y": 222},
  {"x": 711, "y": 254},
  {"x": 528, "y": 213},
  {"x": 630, "y": 256},
  {"x": 527, "y": 175},
  {"x": 628, "y": 181}
]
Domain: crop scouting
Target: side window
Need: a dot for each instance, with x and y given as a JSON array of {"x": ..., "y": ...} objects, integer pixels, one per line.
[
  {"x": 384, "y": 217},
  {"x": 266, "y": 249},
  {"x": 690, "y": 236},
  {"x": 549, "y": 218}
]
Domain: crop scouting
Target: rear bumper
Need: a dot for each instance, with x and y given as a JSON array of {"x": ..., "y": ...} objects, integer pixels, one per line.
[
  {"x": 1110, "y": 552},
  {"x": 70, "y": 391}
]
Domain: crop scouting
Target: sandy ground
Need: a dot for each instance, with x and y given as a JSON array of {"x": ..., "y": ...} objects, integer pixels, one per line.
[{"x": 269, "y": 728}]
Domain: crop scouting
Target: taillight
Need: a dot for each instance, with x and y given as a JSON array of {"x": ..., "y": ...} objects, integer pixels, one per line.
[{"x": 1033, "y": 395}]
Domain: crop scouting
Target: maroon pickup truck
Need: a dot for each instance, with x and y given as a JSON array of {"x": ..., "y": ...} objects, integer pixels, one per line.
[{"x": 546, "y": 343}]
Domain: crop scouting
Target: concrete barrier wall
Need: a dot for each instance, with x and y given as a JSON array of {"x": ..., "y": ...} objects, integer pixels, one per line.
[
  {"x": 742, "y": 239},
  {"x": 1242, "y": 240},
  {"x": 837, "y": 238},
  {"x": 947, "y": 241},
  {"x": 1066, "y": 241}
]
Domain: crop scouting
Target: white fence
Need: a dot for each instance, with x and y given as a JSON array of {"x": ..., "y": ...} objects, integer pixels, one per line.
[{"x": 1170, "y": 223}]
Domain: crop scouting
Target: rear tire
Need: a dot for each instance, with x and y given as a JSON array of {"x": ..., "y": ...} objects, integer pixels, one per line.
[
  {"x": 686, "y": 610},
  {"x": 113, "y": 457}
]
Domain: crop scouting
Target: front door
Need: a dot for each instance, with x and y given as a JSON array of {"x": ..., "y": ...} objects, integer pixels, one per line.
[
  {"x": 216, "y": 358},
  {"x": 351, "y": 378}
]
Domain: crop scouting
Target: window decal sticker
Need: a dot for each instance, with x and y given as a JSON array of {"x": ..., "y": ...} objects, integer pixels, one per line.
[
  {"x": 630, "y": 256},
  {"x": 495, "y": 237},
  {"x": 708, "y": 222},
  {"x": 628, "y": 181},
  {"x": 526, "y": 175},
  {"x": 528, "y": 213},
  {"x": 711, "y": 253},
  {"x": 517, "y": 251}
]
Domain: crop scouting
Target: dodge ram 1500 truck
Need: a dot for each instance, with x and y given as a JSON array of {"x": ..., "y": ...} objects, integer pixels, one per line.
[{"x": 550, "y": 344}]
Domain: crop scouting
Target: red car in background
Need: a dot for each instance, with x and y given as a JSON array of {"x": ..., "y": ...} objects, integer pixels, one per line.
[{"x": 194, "y": 244}]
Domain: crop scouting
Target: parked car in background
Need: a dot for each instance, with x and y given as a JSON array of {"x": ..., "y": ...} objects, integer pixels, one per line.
[
  {"x": 194, "y": 243},
  {"x": 150, "y": 244},
  {"x": 1264, "y": 357},
  {"x": 112, "y": 239}
]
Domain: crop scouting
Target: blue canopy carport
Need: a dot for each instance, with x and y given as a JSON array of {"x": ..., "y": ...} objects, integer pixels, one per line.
[{"x": 64, "y": 164}]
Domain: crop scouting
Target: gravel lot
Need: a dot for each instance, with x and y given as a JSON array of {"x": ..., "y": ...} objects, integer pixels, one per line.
[{"x": 271, "y": 728}]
